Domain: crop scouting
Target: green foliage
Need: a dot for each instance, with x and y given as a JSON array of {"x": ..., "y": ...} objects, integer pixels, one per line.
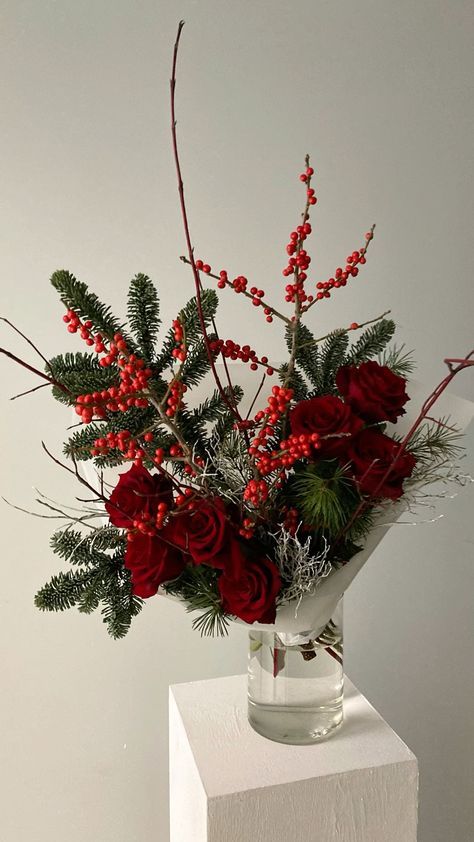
[
  {"x": 371, "y": 342},
  {"x": 80, "y": 373},
  {"x": 87, "y": 549},
  {"x": 434, "y": 443},
  {"x": 398, "y": 360},
  {"x": 295, "y": 381},
  {"x": 197, "y": 363},
  {"x": 79, "y": 444},
  {"x": 332, "y": 356},
  {"x": 197, "y": 586},
  {"x": 307, "y": 355},
  {"x": 324, "y": 495},
  {"x": 144, "y": 315},
  {"x": 189, "y": 318},
  {"x": 100, "y": 579},
  {"x": 76, "y": 296}
]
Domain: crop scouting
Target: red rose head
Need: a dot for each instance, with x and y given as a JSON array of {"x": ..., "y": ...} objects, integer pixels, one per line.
[
  {"x": 328, "y": 416},
  {"x": 203, "y": 532},
  {"x": 137, "y": 492},
  {"x": 373, "y": 391},
  {"x": 371, "y": 454},
  {"x": 151, "y": 562},
  {"x": 249, "y": 586}
]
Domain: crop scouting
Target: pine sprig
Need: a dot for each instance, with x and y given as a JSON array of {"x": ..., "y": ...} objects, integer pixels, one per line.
[
  {"x": 143, "y": 314},
  {"x": 80, "y": 373},
  {"x": 196, "y": 364},
  {"x": 332, "y": 357},
  {"x": 371, "y": 342},
  {"x": 398, "y": 360},
  {"x": 197, "y": 586},
  {"x": 293, "y": 381},
  {"x": 76, "y": 296},
  {"x": 189, "y": 318},
  {"x": 85, "y": 549},
  {"x": 324, "y": 495},
  {"x": 434, "y": 443},
  {"x": 100, "y": 579},
  {"x": 307, "y": 355}
]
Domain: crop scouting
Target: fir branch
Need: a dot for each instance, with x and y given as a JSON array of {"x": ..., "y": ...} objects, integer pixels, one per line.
[
  {"x": 293, "y": 380},
  {"x": 306, "y": 353},
  {"x": 332, "y": 357},
  {"x": 80, "y": 373},
  {"x": 371, "y": 342},
  {"x": 63, "y": 590},
  {"x": 144, "y": 314},
  {"x": 196, "y": 364},
  {"x": 76, "y": 296},
  {"x": 190, "y": 320}
]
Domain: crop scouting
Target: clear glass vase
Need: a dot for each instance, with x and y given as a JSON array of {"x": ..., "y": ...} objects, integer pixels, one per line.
[{"x": 295, "y": 683}]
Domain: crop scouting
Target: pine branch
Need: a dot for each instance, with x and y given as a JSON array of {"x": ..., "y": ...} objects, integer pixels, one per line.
[
  {"x": 332, "y": 356},
  {"x": 398, "y": 360},
  {"x": 434, "y": 443},
  {"x": 190, "y": 320},
  {"x": 197, "y": 586},
  {"x": 144, "y": 314},
  {"x": 76, "y": 296},
  {"x": 78, "y": 548},
  {"x": 197, "y": 364},
  {"x": 80, "y": 373},
  {"x": 306, "y": 354},
  {"x": 293, "y": 380},
  {"x": 63, "y": 590},
  {"x": 371, "y": 342}
]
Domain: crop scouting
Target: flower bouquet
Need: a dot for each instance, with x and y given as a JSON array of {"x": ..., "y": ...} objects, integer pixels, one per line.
[{"x": 260, "y": 505}]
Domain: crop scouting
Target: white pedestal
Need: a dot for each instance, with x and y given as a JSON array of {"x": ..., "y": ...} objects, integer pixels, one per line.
[{"x": 228, "y": 784}]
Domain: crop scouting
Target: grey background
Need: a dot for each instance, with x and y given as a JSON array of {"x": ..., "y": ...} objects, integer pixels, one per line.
[{"x": 380, "y": 94}]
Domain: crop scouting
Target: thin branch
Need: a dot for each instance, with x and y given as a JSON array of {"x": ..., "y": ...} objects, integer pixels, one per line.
[
  {"x": 29, "y": 391},
  {"x": 30, "y": 343},
  {"x": 184, "y": 214},
  {"x": 34, "y": 370},
  {"x": 345, "y": 330}
]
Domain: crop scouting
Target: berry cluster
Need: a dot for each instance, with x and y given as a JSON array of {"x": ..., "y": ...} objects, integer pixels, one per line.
[
  {"x": 341, "y": 276},
  {"x": 239, "y": 285},
  {"x": 256, "y": 492},
  {"x": 179, "y": 353},
  {"x": 291, "y": 450},
  {"x": 175, "y": 399},
  {"x": 233, "y": 351},
  {"x": 143, "y": 525},
  {"x": 134, "y": 374},
  {"x": 299, "y": 259}
]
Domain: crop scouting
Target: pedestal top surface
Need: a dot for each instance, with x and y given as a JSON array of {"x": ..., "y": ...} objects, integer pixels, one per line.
[{"x": 232, "y": 757}]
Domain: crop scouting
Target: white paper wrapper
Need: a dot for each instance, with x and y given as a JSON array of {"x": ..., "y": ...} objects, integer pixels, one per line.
[{"x": 314, "y": 612}]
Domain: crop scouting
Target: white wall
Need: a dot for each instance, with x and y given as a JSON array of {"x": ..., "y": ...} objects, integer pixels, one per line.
[{"x": 380, "y": 94}]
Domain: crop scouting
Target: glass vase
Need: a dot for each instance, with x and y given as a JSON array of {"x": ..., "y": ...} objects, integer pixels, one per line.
[{"x": 295, "y": 683}]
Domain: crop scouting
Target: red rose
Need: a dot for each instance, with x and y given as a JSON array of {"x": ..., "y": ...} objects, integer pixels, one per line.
[
  {"x": 371, "y": 453},
  {"x": 204, "y": 532},
  {"x": 250, "y": 586},
  {"x": 327, "y": 416},
  {"x": 137, "y": 492},
  {"x": 151, "y": 562},
  {"x": 373, "y": 391}
]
